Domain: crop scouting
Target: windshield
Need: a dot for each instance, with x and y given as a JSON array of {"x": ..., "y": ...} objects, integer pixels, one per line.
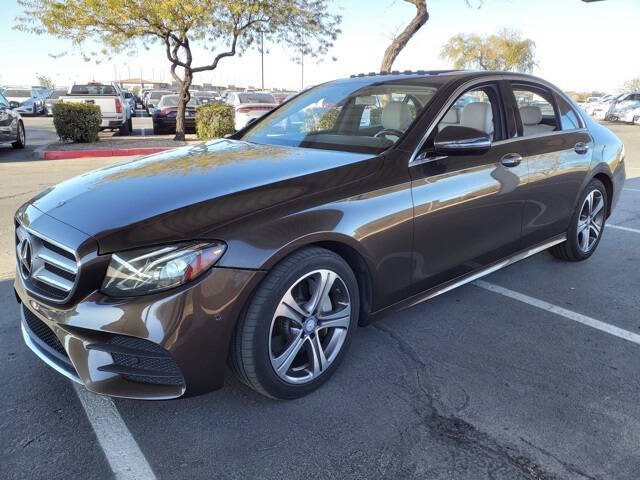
[
  {"x": 156, "y": 95},
  {"x": 256, "y": 98},
  {"x": 172, "y": 101},
  {"x": 346, "y": 117},
  {"x": 93, "y": 90},
  {"x": 12, "y": 92}
]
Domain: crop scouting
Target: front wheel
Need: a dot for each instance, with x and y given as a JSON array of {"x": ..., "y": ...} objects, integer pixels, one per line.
[
  {"x": 21, "y": 139},
  {"x": 587, "y": 225},
  {"x": 298, "y": 325}
]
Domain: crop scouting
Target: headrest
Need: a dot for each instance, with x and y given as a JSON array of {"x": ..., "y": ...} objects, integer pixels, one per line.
[
  {"x": 451, "y": 116},
  {"x": 396, "y": 116},
  {"x": 478, "y": 115},
  {"x": 530, "y": 115}
]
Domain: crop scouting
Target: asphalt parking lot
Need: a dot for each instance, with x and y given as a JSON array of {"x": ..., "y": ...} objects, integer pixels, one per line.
[{"x": 531, "y": 373}]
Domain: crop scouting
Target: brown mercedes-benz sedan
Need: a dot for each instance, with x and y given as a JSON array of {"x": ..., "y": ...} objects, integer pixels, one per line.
[{"x": 270, "y": 248}]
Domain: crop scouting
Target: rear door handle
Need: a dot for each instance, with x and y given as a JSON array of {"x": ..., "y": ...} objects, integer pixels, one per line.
[
  {"x": 581, "y": 148},
  {"x": 511, "y": 160}
]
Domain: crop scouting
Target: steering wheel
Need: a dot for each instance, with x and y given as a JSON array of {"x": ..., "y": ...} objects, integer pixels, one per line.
[{"x": 385, "y": 131}]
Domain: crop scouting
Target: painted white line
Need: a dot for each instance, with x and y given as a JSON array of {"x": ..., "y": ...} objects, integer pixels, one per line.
[
  {"x": 626, "y": 229},
  {"x": 563, "y": 312},
  {"x": 632, "y": 189},
  {"x": 123, "y": 453}
]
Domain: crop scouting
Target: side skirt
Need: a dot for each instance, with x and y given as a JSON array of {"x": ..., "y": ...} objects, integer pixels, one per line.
[{"x": 470, "y": 277}]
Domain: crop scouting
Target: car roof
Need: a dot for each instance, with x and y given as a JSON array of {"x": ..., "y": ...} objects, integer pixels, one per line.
[{"x": 435, "y": 76}]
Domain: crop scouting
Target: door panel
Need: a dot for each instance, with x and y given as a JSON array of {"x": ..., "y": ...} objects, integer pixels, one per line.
[
  {"x": 556, "y": 174},
  {"x": 468, "y": 213}
]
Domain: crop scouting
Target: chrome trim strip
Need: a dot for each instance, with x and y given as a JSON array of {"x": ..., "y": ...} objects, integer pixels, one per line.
[
  {"x": 59, "y": 261},
  {"x": 42, "y": 356},
  {"x": 54, "y": 242},
  {"x": 486, "y": 271},
  {"x": 539, "y": 135},
  {"x": 52, "y": 279}
]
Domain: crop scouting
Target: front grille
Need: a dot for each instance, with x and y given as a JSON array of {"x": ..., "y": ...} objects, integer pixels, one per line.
[
  {"x": 139, "y": 360},
  {"x": 44, "y": 333},
  {"x": 47, "y": 269}
]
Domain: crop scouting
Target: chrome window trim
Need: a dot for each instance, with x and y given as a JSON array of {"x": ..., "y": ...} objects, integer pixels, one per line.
[
  {"x": 415, "y": 160},
  {"x": 539, "y": 135},
  {"x": 59, "y": 245}
]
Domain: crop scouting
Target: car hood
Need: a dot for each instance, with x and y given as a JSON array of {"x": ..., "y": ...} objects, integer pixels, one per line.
[
  {"x": 18, "y": 99},
  {"x": 185, "y": 193}
]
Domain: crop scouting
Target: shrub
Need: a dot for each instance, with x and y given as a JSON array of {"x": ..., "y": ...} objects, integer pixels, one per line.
[
  {"x": 215, "y": 120},
  {"x": 77, "y": 122}
]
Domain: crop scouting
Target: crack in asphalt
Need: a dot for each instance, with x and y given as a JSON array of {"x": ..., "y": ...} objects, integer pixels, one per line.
[{"x": 462, "y": 434}]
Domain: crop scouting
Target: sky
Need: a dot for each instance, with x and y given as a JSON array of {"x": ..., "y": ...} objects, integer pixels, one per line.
[{"x": 579, "y": 46}]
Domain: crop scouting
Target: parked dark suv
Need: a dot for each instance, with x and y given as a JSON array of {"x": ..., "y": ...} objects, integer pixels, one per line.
[{"x": 353, "y": 199}]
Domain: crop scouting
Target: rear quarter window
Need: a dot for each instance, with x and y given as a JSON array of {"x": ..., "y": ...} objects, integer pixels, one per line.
[{"x": 569, "y": 119}]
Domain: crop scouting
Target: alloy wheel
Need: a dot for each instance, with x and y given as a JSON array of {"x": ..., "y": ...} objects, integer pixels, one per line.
[
  {"x": 309, "y": 326},
  {"x": 591, "y": 220}
]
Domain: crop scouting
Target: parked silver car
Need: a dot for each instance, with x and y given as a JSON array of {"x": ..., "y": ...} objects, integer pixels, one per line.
[
  {"x": 52, "y": 99},
  {"x": 623, "y": 104},
  {"x": 30, "y": 100}
]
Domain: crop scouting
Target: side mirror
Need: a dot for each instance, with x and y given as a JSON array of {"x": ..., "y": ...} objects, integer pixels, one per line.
[
  {"x": 458, "y": 140},
  {"x": 13, "y": 105}
]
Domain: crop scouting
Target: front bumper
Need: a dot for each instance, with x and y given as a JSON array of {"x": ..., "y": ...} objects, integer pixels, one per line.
[{"x": 157, "y": 346}]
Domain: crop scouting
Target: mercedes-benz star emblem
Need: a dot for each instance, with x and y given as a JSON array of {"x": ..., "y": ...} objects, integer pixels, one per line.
[{"x": 25, "y": 257}]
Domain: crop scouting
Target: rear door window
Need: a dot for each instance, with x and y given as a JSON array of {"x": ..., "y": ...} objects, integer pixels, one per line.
[{"x": 536, "y": 109}]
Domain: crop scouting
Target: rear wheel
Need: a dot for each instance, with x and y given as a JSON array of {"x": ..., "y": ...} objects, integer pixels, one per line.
[
  {"x": 124, "y": 129},
  {"x": 587, "y": 225},
  {"x": 298, "y": 325},
  {"x": 21, "y": 138}
]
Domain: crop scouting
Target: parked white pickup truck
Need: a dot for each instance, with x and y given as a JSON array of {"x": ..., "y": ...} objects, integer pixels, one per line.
[{"x": 116, "y": 114}]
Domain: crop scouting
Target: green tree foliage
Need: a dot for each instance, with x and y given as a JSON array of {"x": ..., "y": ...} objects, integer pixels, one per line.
[
  {"x": 77, "y": 122},
  {"x": 214, "y": 121},
  {"x": 223, "y": 27},
  {"x": 504, "y": 51}
]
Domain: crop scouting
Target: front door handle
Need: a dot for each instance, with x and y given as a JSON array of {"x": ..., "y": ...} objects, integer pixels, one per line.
[
  {"x": 581, "y": 148},
  {"x": 511, "y": 160}
]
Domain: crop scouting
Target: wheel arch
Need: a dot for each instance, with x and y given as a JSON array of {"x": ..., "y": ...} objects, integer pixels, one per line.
[
  {"x": 350, "y": 251},
  {"x": 608, "y": 185}
]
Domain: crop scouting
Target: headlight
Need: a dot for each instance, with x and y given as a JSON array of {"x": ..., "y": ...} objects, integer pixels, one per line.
[{"x": 139, "y": 272}]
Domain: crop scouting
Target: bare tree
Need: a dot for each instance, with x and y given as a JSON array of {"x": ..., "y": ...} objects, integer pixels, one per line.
[{"x": 400, "y": 41}]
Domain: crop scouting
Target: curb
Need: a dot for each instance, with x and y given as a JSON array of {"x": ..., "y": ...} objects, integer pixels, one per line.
[{"x": 114, "y": 152}]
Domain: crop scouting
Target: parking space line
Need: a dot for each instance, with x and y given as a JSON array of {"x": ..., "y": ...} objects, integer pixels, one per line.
[
  {"x": 632, "y": 189},
  {"x": 123, "y": 453},
  {"x": 626, "y": 229},
  {"x": 563, "y": 312}
]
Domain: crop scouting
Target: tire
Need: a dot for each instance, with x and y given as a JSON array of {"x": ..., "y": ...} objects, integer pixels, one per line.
[
  {"x": 156, "y": 129},
  {"x": 586, "y": 228},
  {"x": 130, "y": 122},
  {"x": 21, "y": 141},
  {"x": 262, "y": 338},
  {"x": 124, "y": 129}
]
